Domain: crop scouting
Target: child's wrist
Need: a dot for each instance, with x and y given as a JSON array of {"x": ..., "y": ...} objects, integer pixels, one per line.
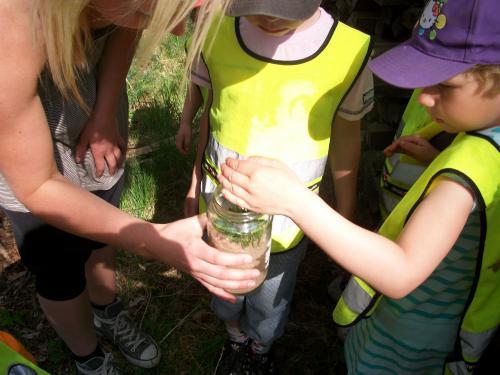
[{"x": 303, "y": 195}]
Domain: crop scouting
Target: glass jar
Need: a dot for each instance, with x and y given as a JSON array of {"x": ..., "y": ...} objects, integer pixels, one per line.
[{"x": 235, "y": 230}]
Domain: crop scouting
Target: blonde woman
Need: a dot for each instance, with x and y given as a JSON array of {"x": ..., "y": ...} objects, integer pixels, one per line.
[{"x": 63, "y": 131}]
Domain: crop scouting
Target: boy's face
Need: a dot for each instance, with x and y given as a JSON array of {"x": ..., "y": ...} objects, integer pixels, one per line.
[
  {"x": 274, "y": 26},
  {"x": 459, "y": 104}
]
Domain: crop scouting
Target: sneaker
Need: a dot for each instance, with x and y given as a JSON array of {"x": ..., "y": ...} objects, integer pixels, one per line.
[
  {"x": 259, "y": 364},
  {"x": 233, "y": 357},
  {"x": 138, "y": 347},
  {"x": 99, "y": 366}
]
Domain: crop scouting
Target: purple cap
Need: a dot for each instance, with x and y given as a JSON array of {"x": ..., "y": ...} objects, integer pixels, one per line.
[{"x": 450, "y": 37}]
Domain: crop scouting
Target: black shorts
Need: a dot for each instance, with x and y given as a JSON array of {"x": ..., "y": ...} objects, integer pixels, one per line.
[{"x": 56, "y": 258}]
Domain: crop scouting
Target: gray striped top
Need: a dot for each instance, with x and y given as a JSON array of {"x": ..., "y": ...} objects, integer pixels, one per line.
[{"x": 66, "y": 121}]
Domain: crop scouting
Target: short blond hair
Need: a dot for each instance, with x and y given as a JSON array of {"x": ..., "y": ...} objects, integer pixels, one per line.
[{"x": 488, "y": 77}]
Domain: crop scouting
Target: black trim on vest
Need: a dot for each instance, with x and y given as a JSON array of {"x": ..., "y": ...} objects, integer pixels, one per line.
[
  {"x": 456, "y": 355},
  {"x": 449, "y": 138},
  {"x": 485, "y": 137},
  {"x": 209, "y": 125},
  {"x": 282, "y": 62}
]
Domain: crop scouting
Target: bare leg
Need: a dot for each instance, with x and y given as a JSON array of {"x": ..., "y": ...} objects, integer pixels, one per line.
[
  {"x": 101, "y": 276},
  {"x": 72, "y": 321}
]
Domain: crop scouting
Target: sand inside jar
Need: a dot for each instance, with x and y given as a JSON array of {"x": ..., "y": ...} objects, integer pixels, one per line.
[{"x": 258, "y": 249}]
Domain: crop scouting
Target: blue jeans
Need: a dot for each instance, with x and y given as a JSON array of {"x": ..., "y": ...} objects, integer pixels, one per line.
[{"x": 264, "y": 312}]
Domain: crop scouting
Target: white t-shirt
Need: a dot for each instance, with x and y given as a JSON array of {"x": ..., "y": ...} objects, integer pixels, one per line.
[{"x": 299, "y": 45}]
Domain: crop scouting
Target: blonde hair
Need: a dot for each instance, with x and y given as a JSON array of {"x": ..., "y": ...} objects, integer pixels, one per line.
[
  {"x": 166, "y": 17},
  {"x": 488, "y": 77},
  {"x": 62, "y": 28},
  {"x": 64, "y": 35}
]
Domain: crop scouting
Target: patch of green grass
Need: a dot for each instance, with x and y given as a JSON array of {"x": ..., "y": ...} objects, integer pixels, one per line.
[
  {"x": 153, "y": 121},
  {"x": 57, "y": 352},
  {"x": 139, "y": 198},
  {"x": 156, "y": 93},
  {"x": 8, "y": 318},
  {"x": 162, "y": 75},
  {"x": 156, "y": 184}
]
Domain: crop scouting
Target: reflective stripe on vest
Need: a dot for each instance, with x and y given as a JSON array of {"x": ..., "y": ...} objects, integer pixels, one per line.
[
  {"x": 356, "y": 302},
  {"x": 474, "y": 344},
  {"x": 277, "y": 109},
  {"x": 476, "y": 159}
]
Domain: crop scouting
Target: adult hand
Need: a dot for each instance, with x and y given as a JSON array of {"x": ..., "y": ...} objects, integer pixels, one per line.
[
  {"x": 183, "y": 139},
  {"x": 415, "y": 146},
  {"x": 260, "y": 184},
  {"x": 214, "y": 269},
  {"x": 101, "y": 135}
]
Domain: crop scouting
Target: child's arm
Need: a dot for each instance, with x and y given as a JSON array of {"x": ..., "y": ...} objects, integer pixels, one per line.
[
  {"x": 414, "y": 145},
  {"x": 393, "y": 268},
  {"x": 193, "y": 194},
  {"x": 100, "y": 133},
  {"x": 344, "y": 160},
  {"x": 192, "y": 104}
]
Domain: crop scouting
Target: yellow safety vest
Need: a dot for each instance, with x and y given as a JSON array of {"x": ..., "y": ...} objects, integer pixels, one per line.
[
  {"x": 475, "y": 158},
  {"x": 400, "y": 171},
  {"x": 13, "y": 363},
  {"x": 277, "y": 109}
]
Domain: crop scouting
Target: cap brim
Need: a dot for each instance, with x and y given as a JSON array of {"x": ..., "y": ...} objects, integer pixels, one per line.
[
  {"x": 270, "y": 13},
  {"x": 407, "y": 67},
  {"x": 294, "y": 10}
]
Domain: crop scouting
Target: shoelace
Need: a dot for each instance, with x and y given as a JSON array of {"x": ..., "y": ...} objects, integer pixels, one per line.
[
  {"x": 125, "y": 329},
  {"x": 111, "y": 370}
]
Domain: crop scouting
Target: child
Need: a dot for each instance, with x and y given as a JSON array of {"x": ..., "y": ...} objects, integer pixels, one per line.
[
  {"x": 417, "y": 142},
  {"x": 435, "y": 263},
  {"x": 278, "y": 76},
  {"x": 195, "y": 97}
]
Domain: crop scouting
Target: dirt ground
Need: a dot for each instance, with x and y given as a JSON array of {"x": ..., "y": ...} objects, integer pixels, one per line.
[{"x": 8, "y": 249}]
